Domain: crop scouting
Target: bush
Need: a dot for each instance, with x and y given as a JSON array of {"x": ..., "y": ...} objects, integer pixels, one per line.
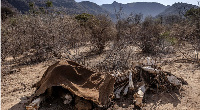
[
  {"x": 6, "y": 12},
  {"x": 83, "y": 17},
  {"x": 193, "y": 16},
  {"x": 100, "y": 28},
  {"x": 45, "y": 34},
  {"x": 144, "y": 34},
  {"x": 149, "y": 36},
  {"x": 50, "y": 36}
]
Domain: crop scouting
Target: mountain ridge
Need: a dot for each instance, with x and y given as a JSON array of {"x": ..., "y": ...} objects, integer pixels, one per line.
[
  {"x": 146, "y": 8},
  {"x": 72, "y": 7},
  {"x": 177, "y": 9}
]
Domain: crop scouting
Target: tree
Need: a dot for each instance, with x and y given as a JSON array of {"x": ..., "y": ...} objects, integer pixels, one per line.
[
  {"x": 32, "y": 7},
  {"x": 49, "y": 4},
  {"x": 100, "y": 28},
  {"x": 194, "y": 15}
]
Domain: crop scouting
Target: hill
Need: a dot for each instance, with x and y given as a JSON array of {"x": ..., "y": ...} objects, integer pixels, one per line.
[
  {"x": 19, "y": 5},
  {"x": 93, "y": 8},
  {"x": 68, "y": 6},
  {"x": 145, "y": 8},
  {"x": 177, "y": 9}
]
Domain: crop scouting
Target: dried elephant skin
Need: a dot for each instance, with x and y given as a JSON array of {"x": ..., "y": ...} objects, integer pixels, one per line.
[{"x": 97, "y": 87}]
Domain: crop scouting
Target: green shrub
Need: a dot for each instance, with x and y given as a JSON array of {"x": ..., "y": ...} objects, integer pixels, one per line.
[{"x": 84, "y": 17}]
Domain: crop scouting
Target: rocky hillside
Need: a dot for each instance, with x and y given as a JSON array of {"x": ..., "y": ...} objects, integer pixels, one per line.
[
  {"x": 145, "y": 8},
  {"x": 91, "y": 7},
  {"x": 177, "y": 9},
  {"x": 19, "y": 5},
  {"x": 5, "y": 3},
  {"x": 69, "y": 6}
]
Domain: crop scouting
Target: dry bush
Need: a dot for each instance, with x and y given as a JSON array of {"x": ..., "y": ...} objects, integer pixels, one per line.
[
  {"x": 121, "y": 53},
  {"x": 193, "y": 18},
  {"x": 145, "y": 34},
  {"x": 149, "y": 36},
  {"x": 100, "y": 29},
  {"x": 172, "y": 19},
  {"x": 132, "y": 32},
  {"x": 45, "y": 34},
  {"x": 186, "y": 33},
  {"x": 183, "y": 32},
  {"x": 127, "y": 26},
  {"x": 6, "y": 13},
  {"x": 39, "y": 37}
]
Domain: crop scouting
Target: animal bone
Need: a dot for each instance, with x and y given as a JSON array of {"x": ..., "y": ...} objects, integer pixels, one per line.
[
  {"x": 141, "y": 90},
  {"x": 67, "y": 98},
  {"x": 126, "y": 90},
  {"x": 118, "y": 85},
  {"x": 148, "y": 59},
  {"x": 139, "y": 95},
  {"x": 123, "y": 84},
  {"x": 150, "y": 69},
  {"x": 131, "y": 80},
  {"x": 172, "y": 79},
  {"x": 35, "y": 104},
  {"x": 114, "y": 75},
  {"x": 118, "y": 91},
  {"x": 120, "y": 77}
]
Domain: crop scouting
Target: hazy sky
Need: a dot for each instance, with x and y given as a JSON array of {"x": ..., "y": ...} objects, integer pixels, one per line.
[{"x": 164, "y": 2}]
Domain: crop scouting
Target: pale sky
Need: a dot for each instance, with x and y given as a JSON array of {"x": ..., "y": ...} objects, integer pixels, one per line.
[{"x": 164, "y": 2}]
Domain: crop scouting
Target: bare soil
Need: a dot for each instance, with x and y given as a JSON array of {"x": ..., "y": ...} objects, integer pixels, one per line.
[{"x": 16, "y": 87}]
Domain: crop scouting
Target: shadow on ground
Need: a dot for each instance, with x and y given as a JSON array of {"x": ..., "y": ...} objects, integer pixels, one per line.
[
  {"x": 172, "y": 97},
  {"x": 21, "y": 105}
]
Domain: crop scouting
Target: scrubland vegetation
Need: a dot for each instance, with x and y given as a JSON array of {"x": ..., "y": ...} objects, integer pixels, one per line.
[{"x": 42, "y": 35}]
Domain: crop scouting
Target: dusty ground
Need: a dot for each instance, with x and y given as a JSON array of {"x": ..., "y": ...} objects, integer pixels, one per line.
[{"x": 16, "y": 88}]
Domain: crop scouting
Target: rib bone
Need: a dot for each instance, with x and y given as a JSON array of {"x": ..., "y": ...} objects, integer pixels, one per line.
[
  {"x": 118, "y": 91},
  {"x": 131, "y": 80},
  {"x": 126, "y": 90}
]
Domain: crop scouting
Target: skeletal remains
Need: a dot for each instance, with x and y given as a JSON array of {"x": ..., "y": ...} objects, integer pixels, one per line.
[{"x": 138, "y": 78}]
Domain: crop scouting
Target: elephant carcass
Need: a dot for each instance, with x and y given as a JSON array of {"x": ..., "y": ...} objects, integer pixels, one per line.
[{"x": 80, "y": 81}]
